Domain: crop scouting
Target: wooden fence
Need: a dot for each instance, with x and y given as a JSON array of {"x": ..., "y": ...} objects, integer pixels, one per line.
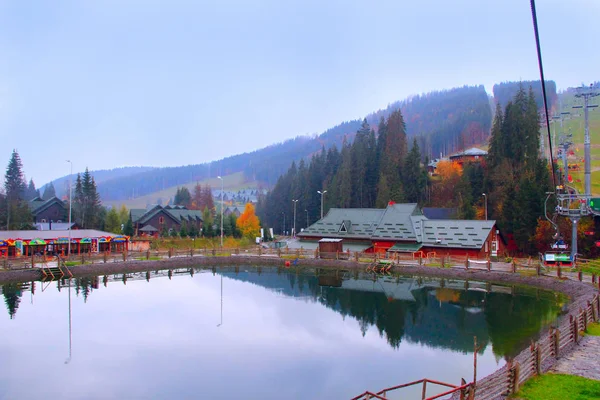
[{"x": 529, "y": 363}]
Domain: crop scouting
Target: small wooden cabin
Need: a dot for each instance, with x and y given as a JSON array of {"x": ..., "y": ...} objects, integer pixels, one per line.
[{"x": 329, "y": 247}]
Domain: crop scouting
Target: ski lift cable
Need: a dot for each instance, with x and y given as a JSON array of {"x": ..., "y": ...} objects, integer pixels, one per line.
[{"x": 539, "y": 55}]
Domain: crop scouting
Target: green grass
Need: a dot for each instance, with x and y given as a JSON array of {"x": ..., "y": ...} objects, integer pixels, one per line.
[
  {"x": 559, "y": 387},
  {"x": 593, "y": 329}
]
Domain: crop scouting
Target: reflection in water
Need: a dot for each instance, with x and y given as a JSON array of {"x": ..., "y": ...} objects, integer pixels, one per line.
[{"x": 292, "y": 335}]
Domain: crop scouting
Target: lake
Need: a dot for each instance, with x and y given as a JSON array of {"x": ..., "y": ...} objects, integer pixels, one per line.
[{"x": 236, "y": 333}]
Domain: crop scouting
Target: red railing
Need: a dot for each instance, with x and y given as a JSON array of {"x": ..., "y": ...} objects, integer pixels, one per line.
[{"x": 464, "y": 390}]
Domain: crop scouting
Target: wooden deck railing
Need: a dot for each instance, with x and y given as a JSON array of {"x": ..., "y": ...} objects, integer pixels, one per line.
[{"x": 464, "y": 390}]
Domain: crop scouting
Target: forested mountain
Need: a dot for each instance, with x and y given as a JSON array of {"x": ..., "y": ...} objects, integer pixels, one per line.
[
  {"x": 445, "y": 121},
  {"x": 100, "y": 176},
  {"x": 506, "y": 91}
]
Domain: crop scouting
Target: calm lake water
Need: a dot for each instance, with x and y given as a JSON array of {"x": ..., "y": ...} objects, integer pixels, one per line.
[{"x": 269, "y": 335}]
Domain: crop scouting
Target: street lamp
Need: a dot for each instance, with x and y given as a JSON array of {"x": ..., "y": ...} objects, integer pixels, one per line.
[
  {"x": 221, "y": 209},
  {"x": 322, "y": 195},
  {"x": 221, "y": 301},
  {"x": 485, "y": 197},
  {"x": 294, "y": 232},
  {"x": 70, "y": 202}
]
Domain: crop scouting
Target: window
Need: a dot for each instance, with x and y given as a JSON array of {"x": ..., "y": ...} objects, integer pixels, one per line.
[
  {"x": 161, "y": 220},
  {"x": 43, "y": 220}
]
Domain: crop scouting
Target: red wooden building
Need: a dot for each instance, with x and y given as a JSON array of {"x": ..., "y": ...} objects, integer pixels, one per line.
[{"x": 403, "y": 228}]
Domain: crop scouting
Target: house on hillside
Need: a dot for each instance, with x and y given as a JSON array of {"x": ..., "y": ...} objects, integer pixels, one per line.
[
  {"x": 403, "y": 228},
  {"x": 235, "y": 210},
  {"x": 53, "y": 209},
  {"x": 470, "y": 155},
  {"x": 157, "y": 219}
]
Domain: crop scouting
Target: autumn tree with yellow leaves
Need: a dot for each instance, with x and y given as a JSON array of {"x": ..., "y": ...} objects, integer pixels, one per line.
[{"x": 248, "y": 223}]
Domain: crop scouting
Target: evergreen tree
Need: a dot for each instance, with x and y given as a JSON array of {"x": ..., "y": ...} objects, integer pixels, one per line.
[
  {"x": 123, "y": 214},
  {"x": 414, "y": 176},
  {"x": 12, "y": 297},
  {"x": 31, "y": 192},
  {"x": 207, "y": 226},
  {"x": 183, "y": 231},
  {"x": 49, "y": 192},
  {"x": 183, "y": 197},
  {"x": 112, "y": 222},
  {"x": 128, "y": 230},
  {"x": 18, "y": 215}
]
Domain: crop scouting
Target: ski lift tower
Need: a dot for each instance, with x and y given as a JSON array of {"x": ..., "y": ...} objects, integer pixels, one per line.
[{"x": 587, "y": 93}]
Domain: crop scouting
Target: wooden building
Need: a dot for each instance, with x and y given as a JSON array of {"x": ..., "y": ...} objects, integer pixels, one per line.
[
  {"x": 403, "y": 228},
  {"x": 158, "y": 219},
  {"x": 53, "y": 209}
]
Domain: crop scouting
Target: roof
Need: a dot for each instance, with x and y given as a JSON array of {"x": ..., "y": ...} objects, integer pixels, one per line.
[
  {"x": 328, "y": 240},
  {"x": 456, "y": 233},
  {"x": 148, "y": 228},
  {"x": 440, "y": 213},
  {"x": 34, "y": 234},
  {"x": 177, "y": 213},
  {"x": 362, "y": 221},
  {"x": 473, "y": 151},
  {"x": 396, "y": 223},
  {"x": 137, "y": 213},
  {"x": 185, "y": 214},
  {"x": 56, "y": 226},
  {"x": 400, "y": 223},
  {"x": 37, "y": 205}
]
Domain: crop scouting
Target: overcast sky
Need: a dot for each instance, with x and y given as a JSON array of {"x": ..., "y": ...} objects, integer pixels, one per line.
[{"x": 111, "y": 83}]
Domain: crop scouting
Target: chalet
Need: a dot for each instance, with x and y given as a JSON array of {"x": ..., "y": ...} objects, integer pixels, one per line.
[
  {"x": 153, "y": 221},
  {"x": 403, "y": 228},
  {"x": 470, "y": 155},
  {"x": 53, "y": 209},
  {"x": 235, "y": 210}
]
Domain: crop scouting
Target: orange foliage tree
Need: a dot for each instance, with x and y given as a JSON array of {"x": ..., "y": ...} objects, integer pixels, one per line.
[
  {"x": 443, "y": 191},
  {"x": 248, "y": 222}
]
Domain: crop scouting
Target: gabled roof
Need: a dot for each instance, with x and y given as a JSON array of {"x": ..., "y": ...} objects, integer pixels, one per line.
[
  {"x": 148, "y": 228},
  {"x": 37, "y": 205},
  {"x": 185, "y": 214},
  {"x": 154, "y": 211},
  {"x": 402, "y": 223},
  {"x": 56, "y": 226},
  {"x": 396, "y": 222},
  {"x": 136, "y": 214},
  {"x": 362, "y": 221}
]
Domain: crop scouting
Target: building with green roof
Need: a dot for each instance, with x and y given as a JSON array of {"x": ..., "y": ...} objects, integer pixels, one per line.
[{"x": 403, "y": 228}]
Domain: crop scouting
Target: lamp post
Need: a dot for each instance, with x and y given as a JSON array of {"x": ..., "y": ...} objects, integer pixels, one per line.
[
  {"x": 294, "y": 232},
  {"x": 283, "y": 228},
  {"x": 70, "y": 202},
  {"x": 306, "y": 218},
  {"x": 485, "y": 197},
  {"x": 322, "y": 195},
  {"x": 221, "y": 301},
  {"x": 222, "y": 204}
]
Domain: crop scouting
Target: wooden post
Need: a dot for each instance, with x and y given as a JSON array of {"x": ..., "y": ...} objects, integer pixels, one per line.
[
  {"x": 514, "y": 266},
  {"x": 467, "y": 263},
  {"x": 420, "y": 258},
  {"x": 124, "y": 256},
  {"x": 593, "y": 278},
  {"x": 424, "y": 390},
  {"x": 538, "y": 360},
  {"x": 463, "y": 391},
  {"x": 558, "y": 271},
  {"x": 580, "y": 276},
  {"x": 171, "y": 252},
  {"x": 32, "y": 260},
  {"x": 105, "y": 257},
  {"x": 556, "y": 342},
  {"x": 489, "y": 264},
  {"x": 356, "y": 256},
  {"x": 516, "y": 375}
]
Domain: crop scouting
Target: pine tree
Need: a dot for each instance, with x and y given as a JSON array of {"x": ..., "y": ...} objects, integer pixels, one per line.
[
  {"x": 12, "y": 297},
  {"x": 49, "y": 192},
  {"x": 31, "y": 192},
  {"x": 414, "y": 176},
  {"x": 128, "y": 230},
  {"x": 183, "y": 197},
  {"x": 18, "y": 215}
]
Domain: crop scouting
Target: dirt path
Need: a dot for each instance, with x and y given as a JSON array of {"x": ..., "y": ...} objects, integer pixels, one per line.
[{"x": 584, "y": 360}]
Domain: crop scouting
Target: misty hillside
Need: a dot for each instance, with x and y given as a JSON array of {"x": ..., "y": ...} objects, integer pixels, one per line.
[
  {"x": 506, "y": 91},
  {"x": 445, "y": 121}
]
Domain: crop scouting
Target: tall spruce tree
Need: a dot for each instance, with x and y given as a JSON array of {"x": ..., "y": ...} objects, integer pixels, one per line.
[
  {"x": 49, "y": 192},
  {"x": 414, "y": 176},
  {"x": 18, "y": 215}
]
